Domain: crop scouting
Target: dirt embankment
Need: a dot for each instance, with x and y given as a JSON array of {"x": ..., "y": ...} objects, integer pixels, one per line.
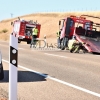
[{"x": 49, "y": 23}]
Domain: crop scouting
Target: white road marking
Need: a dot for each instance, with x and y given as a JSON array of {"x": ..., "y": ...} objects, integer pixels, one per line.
[
  {"x": 97, "y": 55},
  {"x": 3, "y": 45},
  {"x": 21, "y": 48},
  {"x": 3, "y": 41},
  {"x": 55, "y": 55},
  {"x": 7, "y": 45},
  {"x": 60, "y": 81},
  {"x": 23, "y": 44}
]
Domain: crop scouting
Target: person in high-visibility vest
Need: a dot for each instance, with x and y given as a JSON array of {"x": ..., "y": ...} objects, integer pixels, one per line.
[
  {"x": 34, "y": 35},
  {"x": 74, "y": 45},
  {"x": 58, "y": 33},
  {"x": 58, "y": 38}
]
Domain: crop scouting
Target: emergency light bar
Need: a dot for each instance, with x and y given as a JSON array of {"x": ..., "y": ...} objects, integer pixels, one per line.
[
  {"x": 30, "y": 25},
  {"x": 77, "y": 17},
  {"x": 72, "y": 16}
]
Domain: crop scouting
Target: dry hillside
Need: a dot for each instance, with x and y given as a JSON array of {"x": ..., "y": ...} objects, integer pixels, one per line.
[{"x": 48, "y": 21}]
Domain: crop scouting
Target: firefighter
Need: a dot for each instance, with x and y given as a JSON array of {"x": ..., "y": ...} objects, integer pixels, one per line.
[
  {"x": 28, "y": 33},
  {"x": 58, "y": 33},
  {"x": 34, "y": 36},
  {"x": 58, "y": 38},
  {"x": 74, "y": 45}
]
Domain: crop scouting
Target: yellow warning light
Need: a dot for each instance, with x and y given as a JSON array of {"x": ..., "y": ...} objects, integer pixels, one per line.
[
  {"x": 77, "y": 17},
  {"x": 83, "y": 17},
  {"x": 72, "y": 16}
]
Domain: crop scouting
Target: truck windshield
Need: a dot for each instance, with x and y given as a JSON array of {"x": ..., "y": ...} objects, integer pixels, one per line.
[
  {"x": 87, "y": 25},
  {"x": 61, "y": 25}
]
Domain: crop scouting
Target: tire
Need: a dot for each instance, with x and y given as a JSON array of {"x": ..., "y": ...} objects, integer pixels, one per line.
[
  {"x": 19, "y": 41},
  {"x": 64, "y": 43},
  {"x": 28, "y": 42}
]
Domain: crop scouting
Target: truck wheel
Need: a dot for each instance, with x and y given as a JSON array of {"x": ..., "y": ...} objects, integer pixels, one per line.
[
  {"x": 28, "y": 42},
  {"x": 64, "y": 43},
  {"x": 19, "y": 41}
]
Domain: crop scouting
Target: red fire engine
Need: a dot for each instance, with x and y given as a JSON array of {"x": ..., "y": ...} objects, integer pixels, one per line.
[
  {"x": 24, "y": 28},
  {"x": 86, "y": 31}
]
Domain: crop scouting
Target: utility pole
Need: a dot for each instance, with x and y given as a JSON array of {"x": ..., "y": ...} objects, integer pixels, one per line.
[{"x": 11, "y": 15}]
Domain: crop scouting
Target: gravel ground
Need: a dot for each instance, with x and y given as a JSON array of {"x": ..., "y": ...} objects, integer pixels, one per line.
[{"x": 3, "y": 94}]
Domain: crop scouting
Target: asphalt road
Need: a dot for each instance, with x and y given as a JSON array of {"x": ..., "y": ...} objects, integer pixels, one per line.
[{"x": 82, "y": 70}]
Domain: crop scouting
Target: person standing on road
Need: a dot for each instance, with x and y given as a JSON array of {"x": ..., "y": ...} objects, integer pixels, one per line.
[
  {"x": 34, "y": 35},
  {"x": 58, "y": 38}
]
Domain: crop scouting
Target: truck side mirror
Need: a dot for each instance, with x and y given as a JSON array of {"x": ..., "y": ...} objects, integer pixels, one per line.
[{"x": 59, "y": 22}]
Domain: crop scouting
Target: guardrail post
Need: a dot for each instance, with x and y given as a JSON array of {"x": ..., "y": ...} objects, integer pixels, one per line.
[{"x": 13, "y": 63}]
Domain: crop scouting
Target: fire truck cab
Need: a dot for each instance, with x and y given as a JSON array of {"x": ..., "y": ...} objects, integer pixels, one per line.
[
  {"x": 23, "y": 29},
  {"x": 84, "y": 30}
]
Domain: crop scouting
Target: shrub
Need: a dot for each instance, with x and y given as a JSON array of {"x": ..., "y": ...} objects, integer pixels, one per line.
[{"x": 4, "y": 30}]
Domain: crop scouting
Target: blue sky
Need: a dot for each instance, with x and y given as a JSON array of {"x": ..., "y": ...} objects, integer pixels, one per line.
[{"x": 23, "y": 7}]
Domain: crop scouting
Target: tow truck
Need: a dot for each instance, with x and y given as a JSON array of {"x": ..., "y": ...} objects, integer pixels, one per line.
[
  {"x": 86, "y": 31},
  {"x": 23, "y": 29}
]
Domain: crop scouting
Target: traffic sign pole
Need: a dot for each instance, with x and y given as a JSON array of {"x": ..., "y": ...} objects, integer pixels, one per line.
[{"x": 13, "y": 63}]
